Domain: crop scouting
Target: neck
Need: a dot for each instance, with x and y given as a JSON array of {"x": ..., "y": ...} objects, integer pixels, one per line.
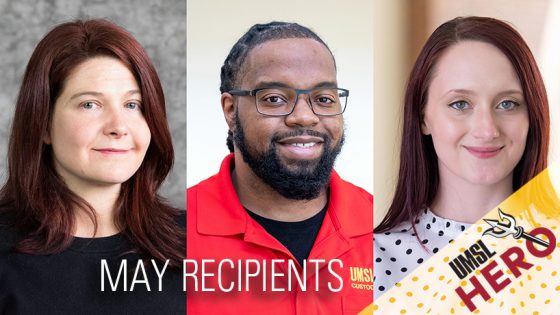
[
  {"x": 263, "y": 200},
  {"x": 103, "y": 200},
  {"x": 463, "y": 201}
]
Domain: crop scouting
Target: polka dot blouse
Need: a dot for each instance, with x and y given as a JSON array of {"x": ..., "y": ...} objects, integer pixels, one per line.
[{"x": 398, "y": 252}]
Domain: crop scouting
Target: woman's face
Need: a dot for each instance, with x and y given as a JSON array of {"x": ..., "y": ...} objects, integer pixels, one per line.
[
  {"x": 98, "y": 134},
  {"x": 476, "y": 114}
]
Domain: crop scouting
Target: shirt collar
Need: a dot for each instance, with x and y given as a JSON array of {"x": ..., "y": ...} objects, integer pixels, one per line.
[{"x": 220, "y": 212}]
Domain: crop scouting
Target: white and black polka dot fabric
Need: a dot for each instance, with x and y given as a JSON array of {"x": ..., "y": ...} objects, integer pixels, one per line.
[{"x": 398, "y": 252}]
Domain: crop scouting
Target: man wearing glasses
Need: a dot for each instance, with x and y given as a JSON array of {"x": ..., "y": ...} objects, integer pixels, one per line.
[{"x": 277, "y": 230}]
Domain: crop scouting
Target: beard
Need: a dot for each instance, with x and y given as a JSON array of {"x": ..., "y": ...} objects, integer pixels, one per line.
[{"x": 307, "y": 178}]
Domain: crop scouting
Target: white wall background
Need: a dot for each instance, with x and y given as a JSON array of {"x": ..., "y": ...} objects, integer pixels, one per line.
[{"x": 213, "y": 26}]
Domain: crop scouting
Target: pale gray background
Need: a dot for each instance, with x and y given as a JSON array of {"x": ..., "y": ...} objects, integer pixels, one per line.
[{"x": 159, "y": 25}]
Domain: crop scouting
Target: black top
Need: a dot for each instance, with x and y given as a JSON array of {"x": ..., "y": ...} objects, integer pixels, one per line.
[
  {"x": 298, "y": 237},
  {"x": 70, "y": 282}
]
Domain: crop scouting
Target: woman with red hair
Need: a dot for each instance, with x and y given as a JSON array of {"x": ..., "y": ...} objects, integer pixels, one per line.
[
  {"x": 80, "y": 214},
  {"x": 475, "y": 129}
]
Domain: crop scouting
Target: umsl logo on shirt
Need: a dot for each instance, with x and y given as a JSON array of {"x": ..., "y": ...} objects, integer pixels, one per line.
[
  {"x": 513, "y": 259},
  {"x": 361, "y": 278}
]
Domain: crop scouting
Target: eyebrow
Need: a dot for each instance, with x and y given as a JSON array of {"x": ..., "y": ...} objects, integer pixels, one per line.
[
  {"x": 465, "y": 91},
  {"x": 272, "y": 84},
  {"x": 98, "y": 94},
  {"x": 459, "y": 91},
  {"x": 509, "y": 92}
]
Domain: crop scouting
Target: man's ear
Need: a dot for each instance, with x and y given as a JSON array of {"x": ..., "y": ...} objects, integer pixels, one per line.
[{"x": 228, "y": 107}]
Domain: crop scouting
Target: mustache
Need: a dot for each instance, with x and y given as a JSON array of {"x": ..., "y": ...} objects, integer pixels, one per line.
[{"x": 300, "y": 132}]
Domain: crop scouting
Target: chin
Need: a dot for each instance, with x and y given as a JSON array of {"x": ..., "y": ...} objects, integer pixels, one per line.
[
  {"x": 114, "y": 179},
  {"x": 301, "y": 165},
  {"x": 487, "y": 178}
]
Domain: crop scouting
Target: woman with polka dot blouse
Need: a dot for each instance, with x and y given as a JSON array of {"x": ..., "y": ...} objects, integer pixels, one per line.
[{"x": 475, "y": 129}]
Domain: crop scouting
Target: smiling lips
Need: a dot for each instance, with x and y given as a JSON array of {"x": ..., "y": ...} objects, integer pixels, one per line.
[
  {"x": 111, "y": 151},
  {"x": 484, "y": 152},
  {"x": 302, "y": 147}
]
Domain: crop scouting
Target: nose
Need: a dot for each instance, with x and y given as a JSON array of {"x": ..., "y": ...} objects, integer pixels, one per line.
[
  {"x": 485, "y": 125},
  {"x": 116, "y": 125},
  {"x": 302, "y": 115}
]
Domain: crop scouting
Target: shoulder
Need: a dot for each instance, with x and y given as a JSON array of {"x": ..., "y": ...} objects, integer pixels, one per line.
[
  {"x": 206, "y": 189},
  {"x": 397, "y": 252},
  {"x": 343, "y": 186},
  {"x": 8, "y": 234},
  {"x": 359, "y": 191},
  {"x": 212, "y": 185},
  {"x": 402, "y": 233},
  {"x": 400, "y": 242}
]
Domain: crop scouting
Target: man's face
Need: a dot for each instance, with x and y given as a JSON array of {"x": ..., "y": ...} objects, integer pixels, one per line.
[{"x": 293, "y": 154}]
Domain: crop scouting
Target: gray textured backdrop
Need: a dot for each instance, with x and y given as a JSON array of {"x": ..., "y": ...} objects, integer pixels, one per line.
[{"x": 159, "y": 25}]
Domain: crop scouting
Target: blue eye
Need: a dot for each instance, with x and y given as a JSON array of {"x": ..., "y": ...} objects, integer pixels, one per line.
[
  {"x": 88, "y": 105},
  {"x": 507, "y": 105},
  {"x": 132, "y": 105},
  {"x": 460, "y": 105}
]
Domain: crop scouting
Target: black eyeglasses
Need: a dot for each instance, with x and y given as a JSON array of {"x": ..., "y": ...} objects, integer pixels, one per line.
[{"x": 281, "y": 101}]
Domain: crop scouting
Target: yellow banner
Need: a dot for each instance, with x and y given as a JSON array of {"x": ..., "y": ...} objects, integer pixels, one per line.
[{"x": 506, "y": 263}]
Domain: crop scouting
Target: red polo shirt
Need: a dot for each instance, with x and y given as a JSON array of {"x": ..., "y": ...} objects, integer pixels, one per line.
[{"x": 235, "y": 267}]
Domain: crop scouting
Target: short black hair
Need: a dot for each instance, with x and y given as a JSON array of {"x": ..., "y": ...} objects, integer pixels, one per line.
[{"x": 256, "y": 35}]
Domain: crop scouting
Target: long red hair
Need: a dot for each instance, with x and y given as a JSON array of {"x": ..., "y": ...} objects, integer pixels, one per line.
[
  {"x": 418, "y": 177},
  {"x": 38, "y": 200}
]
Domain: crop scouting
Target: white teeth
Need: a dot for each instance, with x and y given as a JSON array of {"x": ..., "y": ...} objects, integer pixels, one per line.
[{"x": 303, "y": 145}]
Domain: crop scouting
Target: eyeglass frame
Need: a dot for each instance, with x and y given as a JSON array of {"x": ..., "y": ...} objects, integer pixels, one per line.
[{"x": 236, "y": 92}]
